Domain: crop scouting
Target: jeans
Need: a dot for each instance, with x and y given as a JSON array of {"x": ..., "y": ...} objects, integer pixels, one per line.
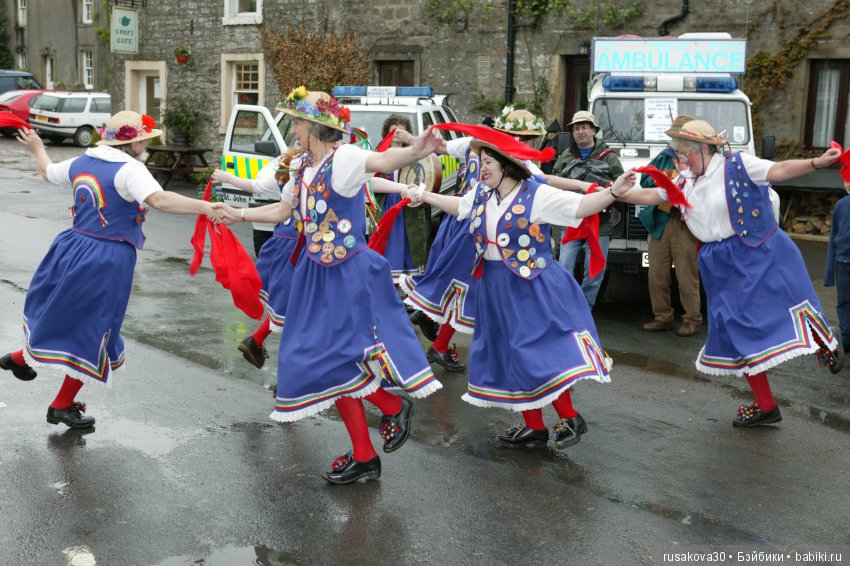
[
  {"x": 569, "y": 253},
  {"x": 842, "y": 286}
]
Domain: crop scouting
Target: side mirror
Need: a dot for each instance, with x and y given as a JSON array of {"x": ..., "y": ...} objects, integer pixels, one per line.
[
  {"x": 565, "y": 140},
  {"x": 768, "y": 147},
  {"x": 266, "y": 147}
]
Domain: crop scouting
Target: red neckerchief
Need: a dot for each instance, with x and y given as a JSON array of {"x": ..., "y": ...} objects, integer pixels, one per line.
[
  {"x": 233, "y": 267},
  {"x": 589, "y": 230}
]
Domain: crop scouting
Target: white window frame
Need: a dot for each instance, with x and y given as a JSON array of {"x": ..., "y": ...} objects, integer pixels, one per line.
[
  {"x": 22, "y": 13},
  {"x": 235, "y": 66},
  {"x": 23, "y": 63},
  {"x": 233, "y": 17},
  {"x": 228, "y": 76},
  {"x": 87, "y": 68},
  {"x": 87, "y": 13}
]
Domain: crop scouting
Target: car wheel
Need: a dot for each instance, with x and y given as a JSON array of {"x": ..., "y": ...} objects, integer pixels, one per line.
[
  {"x": 56, "y": 140},
  {"x": 7, "y": 132},
  {"x": 83, "y": 136}
]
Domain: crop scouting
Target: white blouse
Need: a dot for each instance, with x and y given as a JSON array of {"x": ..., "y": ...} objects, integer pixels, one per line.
[{"x": 708, "y": 220}]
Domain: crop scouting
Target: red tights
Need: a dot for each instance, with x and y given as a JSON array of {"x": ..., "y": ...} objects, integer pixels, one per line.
[
  {"x": 262, "y": 332},
  {"x": 441, "y": 344},
  {"x": 67, "y": 393},
  {"x": 354, "y": 417},
  {"x": 563, "y": 406},
  {"x": 761, "y": 389}
]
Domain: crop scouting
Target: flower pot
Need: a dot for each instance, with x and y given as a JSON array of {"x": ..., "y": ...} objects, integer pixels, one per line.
[
  {"x": 182, "y": 59},
  {"x": 179, "y": 137}
]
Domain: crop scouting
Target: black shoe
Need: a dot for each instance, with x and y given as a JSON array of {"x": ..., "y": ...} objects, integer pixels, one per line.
[
  {"x": 568, "y": 431},
  {"x": 71, "y": 416},
  {"x": 346, "y": 469},
  {"x": 521, "y": 435},
  {"x": 395, "y": 429},
  {"x": 428, "y": 327},
  {"x": 253, "y": 352},
  {"x": 447, "y": 360},
  {"x": 837, "y": 359},
  {"x": 22, "y": 372},
  {"x": 751, "y": 415}
]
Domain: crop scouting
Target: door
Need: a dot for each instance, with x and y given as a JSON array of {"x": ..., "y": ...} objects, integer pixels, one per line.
[
  {"x": 576, "y": 79},
  {"x": 149, "y": 94}
]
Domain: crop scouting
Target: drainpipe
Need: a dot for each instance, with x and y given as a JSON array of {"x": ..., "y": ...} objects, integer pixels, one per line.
[
  {"x": 662, "y": 29},
  {"x": 509, "y": 72}
]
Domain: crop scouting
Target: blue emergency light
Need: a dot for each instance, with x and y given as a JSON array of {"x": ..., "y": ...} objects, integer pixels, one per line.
[
  {"x": 716, "y": 84},
  {"x": 614, "y": 83},
  {"x": 623, "y": 84},
  {"x": 383, "y": 91}
]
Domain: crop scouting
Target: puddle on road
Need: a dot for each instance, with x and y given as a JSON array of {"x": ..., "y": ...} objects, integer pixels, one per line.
[
  {"x": 79, "y": 556},
  {"x": 151, "y": 440},
  {"x": 229, "y": 555}
]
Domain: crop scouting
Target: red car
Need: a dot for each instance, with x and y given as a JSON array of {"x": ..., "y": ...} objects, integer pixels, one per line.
[{"x": 17, "y": 102}]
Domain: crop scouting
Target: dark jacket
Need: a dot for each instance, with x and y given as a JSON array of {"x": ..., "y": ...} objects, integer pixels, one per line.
[
  {"x": 613, "y": 161},
  {"x": 654, "y": 218}
]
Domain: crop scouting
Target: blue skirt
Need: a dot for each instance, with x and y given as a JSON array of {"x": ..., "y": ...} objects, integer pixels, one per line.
[
  {"x": 762, "y": 307},
  {"x": 275, "y": 271},
  {"x": 446, "y": 291},
  {"x": 397, "y": 251},
  {"x": 346, "y": 330},
  {"x": 533, "y": 339},
  {"x": 75, "y": 306}
]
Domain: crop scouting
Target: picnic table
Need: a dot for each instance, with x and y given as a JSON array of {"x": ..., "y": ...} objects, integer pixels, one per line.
[{"x": 180, "y": 160}]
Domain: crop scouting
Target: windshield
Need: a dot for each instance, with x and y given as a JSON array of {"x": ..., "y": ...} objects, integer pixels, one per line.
[
  {"x": 373, "y": 122},
  {"x": 639, "y": 120},
  {"x": 46, "y": 102}
]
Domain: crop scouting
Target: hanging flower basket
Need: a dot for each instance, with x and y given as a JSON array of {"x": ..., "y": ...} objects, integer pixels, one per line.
[{"x": 181, "y": 53}]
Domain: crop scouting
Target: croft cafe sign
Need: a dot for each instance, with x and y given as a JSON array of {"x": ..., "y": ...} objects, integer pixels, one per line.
[{"x": 124, "y": 33}]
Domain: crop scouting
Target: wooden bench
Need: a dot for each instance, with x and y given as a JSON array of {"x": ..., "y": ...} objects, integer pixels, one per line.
[{"x": 179, "y": 159}]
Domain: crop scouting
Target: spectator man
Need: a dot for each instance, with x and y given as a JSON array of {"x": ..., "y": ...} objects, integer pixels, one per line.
[
  {"x": 588, "y": 159},
  {"x": 671, "y": 242}
]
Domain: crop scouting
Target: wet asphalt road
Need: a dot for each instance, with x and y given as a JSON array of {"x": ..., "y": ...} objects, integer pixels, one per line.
[{"x": 184, "y": 467}]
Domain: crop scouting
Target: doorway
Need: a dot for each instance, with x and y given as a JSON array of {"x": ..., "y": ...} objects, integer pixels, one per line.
[{"x": 576, "y": 79}]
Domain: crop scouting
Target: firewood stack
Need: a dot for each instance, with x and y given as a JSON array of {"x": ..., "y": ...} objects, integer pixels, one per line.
[{"x": 809, "y": 213}]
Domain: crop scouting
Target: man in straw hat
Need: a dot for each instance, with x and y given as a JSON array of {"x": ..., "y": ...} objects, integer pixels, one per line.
[
  {"x": 534, "y": 336},
  {"x": 76, "y": 302},
  {"x": 346, "y": 328},
  {"x": 671, "y": 242},
  {"x": 586, "y": 147},
  {"x": 762, "y": 308}
]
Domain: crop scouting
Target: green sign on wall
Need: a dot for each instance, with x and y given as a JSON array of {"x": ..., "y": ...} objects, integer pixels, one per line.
[{"x": 124, "y": 35}]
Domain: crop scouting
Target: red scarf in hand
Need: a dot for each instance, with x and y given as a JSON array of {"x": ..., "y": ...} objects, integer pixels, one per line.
[
  {"x": 232, "y": 265},
  {"x": 503, "y": 141},
  {"x": 588, "y": 230},
  {"x": 674, "y": 194},
  {"x": 844, "y": 160},
  {"x": 381, "y": 235},
  {"x": 9, "y": 120}
]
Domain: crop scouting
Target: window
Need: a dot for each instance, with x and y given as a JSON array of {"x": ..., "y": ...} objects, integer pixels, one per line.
[
  {"x": 246, "y": 82},
  {"x": 88, "y": 11},
  {"x": 243, "y": 79},
  {"x": 101, "y": 105},
  {"x": 242, "y": 12},
  {"x": 249, "y": 128},
  {"x": 395, "y": 73},
  {"x": 88, "y": 69},
  {"x": 826, "y": 112},
  {"x": 22, "y": 13},
  {"x": 48, "y": 71},
  {"x": 74, "y": 105},
  {"x": 23, "y": 64}
]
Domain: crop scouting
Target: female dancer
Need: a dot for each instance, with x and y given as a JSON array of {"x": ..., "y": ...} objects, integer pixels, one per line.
[
  {"x": 345, "y": 325},
  {"x": 76, "y": 302},
  {"x": 534, "y": 336}
]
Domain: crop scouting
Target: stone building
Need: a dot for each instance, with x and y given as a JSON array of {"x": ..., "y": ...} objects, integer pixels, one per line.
[
  {"x": 57, "y": 41},
  {"x": 439, "y": 44}
]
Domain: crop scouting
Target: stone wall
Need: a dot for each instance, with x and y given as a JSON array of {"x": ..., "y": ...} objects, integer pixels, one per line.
[{"x": 467, "y": 56}]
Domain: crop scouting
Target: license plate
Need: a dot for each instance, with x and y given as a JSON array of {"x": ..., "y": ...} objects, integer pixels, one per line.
[
  {"x": 644, "y": 259},
  {"x": 41, "y": 118}
]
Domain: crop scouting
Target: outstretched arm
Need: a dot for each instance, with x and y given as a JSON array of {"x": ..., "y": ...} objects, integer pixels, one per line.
[
  {"x": 178, "y": 204},
  {"x": 30, "y": 139},
  {"x": 395, "y": 158}
]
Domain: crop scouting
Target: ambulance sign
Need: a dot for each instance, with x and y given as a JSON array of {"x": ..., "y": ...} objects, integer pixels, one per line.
[{"x": 683, "y": 56}]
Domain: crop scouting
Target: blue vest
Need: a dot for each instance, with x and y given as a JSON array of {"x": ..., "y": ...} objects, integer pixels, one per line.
[
  {"x": 524, "y": 246},
  {"x": 750, "y": 209},
  {"x": 335, "y": 226},
  {"x": 98, "y": 209},
  {"x": 469, "y": 173}
]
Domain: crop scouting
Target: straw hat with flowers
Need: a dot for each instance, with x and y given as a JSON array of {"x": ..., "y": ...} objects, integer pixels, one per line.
[
  {"x": 519, "y": 123},
  {"x": 316, "y": 106},
  {"x": 477, "y": 145},
  {"x": 698, "y": 131},
  {"x": 127, "y": 127}
]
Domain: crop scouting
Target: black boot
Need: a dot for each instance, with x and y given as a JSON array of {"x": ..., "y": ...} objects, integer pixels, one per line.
[
  {"x": 568, "y": 431},
  {"x": 521, "y": 435},
  {"x": 751, "y": 415},
  {"x": 395, "y": 429},
  {"x": 22, "y": 372},
  {"x": 428, "y": 327},
  {"x": 449, "y": 360},
  {"x": 71, "y": 416},
  {"x": 346, "y": 469},
  {"x": 253, "y": 352}
]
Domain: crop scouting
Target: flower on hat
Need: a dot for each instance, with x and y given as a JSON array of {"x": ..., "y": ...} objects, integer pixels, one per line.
[
  {"x": 517, "y": 123},
  {"x": 148, "y": 123},
  {"x": 297, "y": 94}
]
